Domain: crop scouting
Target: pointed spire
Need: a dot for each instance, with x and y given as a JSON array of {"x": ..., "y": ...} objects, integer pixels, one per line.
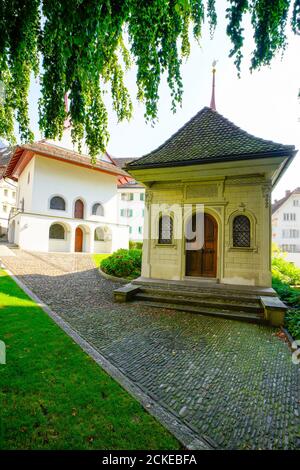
[{"x": 213, "y": 99}]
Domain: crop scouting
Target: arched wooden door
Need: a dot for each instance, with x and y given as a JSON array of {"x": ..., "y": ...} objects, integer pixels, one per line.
[
  {"x": 78, "y": 240},
  {"x": 203, "y": 262},
  {"x": 79, "y": 209}
]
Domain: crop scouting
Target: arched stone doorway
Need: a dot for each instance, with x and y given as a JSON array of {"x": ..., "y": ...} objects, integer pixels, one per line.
[{"x": 202, "y": 260}]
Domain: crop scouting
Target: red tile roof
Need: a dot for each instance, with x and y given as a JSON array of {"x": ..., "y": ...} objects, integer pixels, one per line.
[
  {"x": 277, "y": 204},
  {"x": 60, "y": 153}
]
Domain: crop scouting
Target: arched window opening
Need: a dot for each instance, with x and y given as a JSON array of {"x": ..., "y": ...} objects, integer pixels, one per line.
[
  {"x": 99, "y": 234},
  {"x": 241, "y": 231},
  {"x": 57, "y": 232},
  {"x": 58, "y": 203},
  {"x": 165, "y": 230},
  {"x": 98, "y": 209}
]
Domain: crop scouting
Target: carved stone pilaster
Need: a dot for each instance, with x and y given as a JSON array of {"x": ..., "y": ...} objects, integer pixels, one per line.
[
  {"x": 148, "y": 198},
  {"x": 266, "y": 192}
]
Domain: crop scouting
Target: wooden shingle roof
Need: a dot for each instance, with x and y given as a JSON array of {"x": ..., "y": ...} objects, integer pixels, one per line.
[{"x": 207, "y": 138}]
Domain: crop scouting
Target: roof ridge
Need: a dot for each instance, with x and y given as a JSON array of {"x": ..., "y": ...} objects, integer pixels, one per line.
[
  {"x": 63, "y": 154},
  {"x": 46, "y": 142}
]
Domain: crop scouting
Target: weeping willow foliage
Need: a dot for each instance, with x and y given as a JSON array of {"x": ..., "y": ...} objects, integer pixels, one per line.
[{"x": 77, "y": 46}]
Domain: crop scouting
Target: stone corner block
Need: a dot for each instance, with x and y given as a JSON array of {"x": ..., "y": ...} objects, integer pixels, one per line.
[
  {"x": 125, "y": 293},
  {"x": 274, "y": 310}
]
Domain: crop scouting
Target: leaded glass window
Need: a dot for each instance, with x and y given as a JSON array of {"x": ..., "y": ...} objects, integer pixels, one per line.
[
  {"x": 241, "y": 231},
  {"x": 58, "y": 203},
  {"x": 57, "y": 232},
  {"x": 165, "y": 230}
]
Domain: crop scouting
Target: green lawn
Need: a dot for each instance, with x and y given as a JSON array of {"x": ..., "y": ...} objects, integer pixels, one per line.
[
  {"x": 98, "y": 257},
  {"x": 53, "y": 396}
]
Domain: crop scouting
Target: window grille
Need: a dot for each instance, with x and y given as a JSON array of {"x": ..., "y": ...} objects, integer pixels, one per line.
[
  {"x": 241, "y": 231},
  {"x": 165, "y": 230},
  {"x": 57, "y": 232}
]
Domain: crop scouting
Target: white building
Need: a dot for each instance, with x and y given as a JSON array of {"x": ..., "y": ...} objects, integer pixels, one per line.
[
  {"x": 8, "y": 189},
  {"x": 64, "y": 202},
  {"x": 131, "y": 195},
  {"x": 286, "y": 225},
  {"x": 132, "y": 208}
]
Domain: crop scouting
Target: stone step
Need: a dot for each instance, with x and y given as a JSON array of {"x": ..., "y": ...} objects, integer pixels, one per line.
[
  {"x": 215, "y": 312},
  {"x": 202, "y": 294},
  {"x": 205, "y": 287},
  {"x": 201, "y": 301}
]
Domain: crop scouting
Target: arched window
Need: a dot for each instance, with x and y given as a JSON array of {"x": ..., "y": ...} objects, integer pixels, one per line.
[
  {"x": 241, "y": 231},
  {"x": 165, "y": 230},
  {"x": 57, "y": 203},
  {"x": 99, "y": 234},
  {"x": 98, "y": 209},
  {"x": 57, "y": 232}
]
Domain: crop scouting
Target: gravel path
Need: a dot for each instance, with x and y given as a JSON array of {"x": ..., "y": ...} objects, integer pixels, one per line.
[{"x": 233, "y": 383}]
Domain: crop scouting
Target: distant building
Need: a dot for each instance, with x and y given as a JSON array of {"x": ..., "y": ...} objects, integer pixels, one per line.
[
  {"x": 286, "y": 225},
  {"x": 132, "y": 208},
  {"x": 131, "y": 202},
  {"x": 8, "y": 191}
]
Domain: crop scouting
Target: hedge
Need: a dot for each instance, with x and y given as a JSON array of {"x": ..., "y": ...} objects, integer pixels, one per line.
[{"x": 123, "y": 263}]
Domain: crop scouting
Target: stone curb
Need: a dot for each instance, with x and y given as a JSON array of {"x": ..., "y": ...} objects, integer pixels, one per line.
[
  {"x": 121, "y": 280},
  {"x": 188, "y": 438},
  {"x": 288, "y": 336}
]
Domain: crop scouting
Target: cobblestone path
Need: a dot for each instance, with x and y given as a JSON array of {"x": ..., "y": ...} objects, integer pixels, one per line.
[{"x": 232, "y": 382}]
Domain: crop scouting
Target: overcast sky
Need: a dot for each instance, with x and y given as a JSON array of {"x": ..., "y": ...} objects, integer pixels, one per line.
[{"x": 263, "y": 103}]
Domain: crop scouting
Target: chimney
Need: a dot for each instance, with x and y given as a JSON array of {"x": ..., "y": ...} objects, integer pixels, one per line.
[{"x": 287, "y": 193}]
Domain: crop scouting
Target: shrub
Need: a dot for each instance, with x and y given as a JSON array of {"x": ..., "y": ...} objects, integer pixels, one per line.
[
  {"x": 123, "y": 263},
  {"x": 285, "y": 270},
  {"x": 135, "y": 245},
  {"x": 286, "y": 293},
  {"x": 292, "y": 322}
]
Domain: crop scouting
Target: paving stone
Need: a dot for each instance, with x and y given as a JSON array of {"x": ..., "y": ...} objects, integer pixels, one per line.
[{"x": 235, "y": 381}]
